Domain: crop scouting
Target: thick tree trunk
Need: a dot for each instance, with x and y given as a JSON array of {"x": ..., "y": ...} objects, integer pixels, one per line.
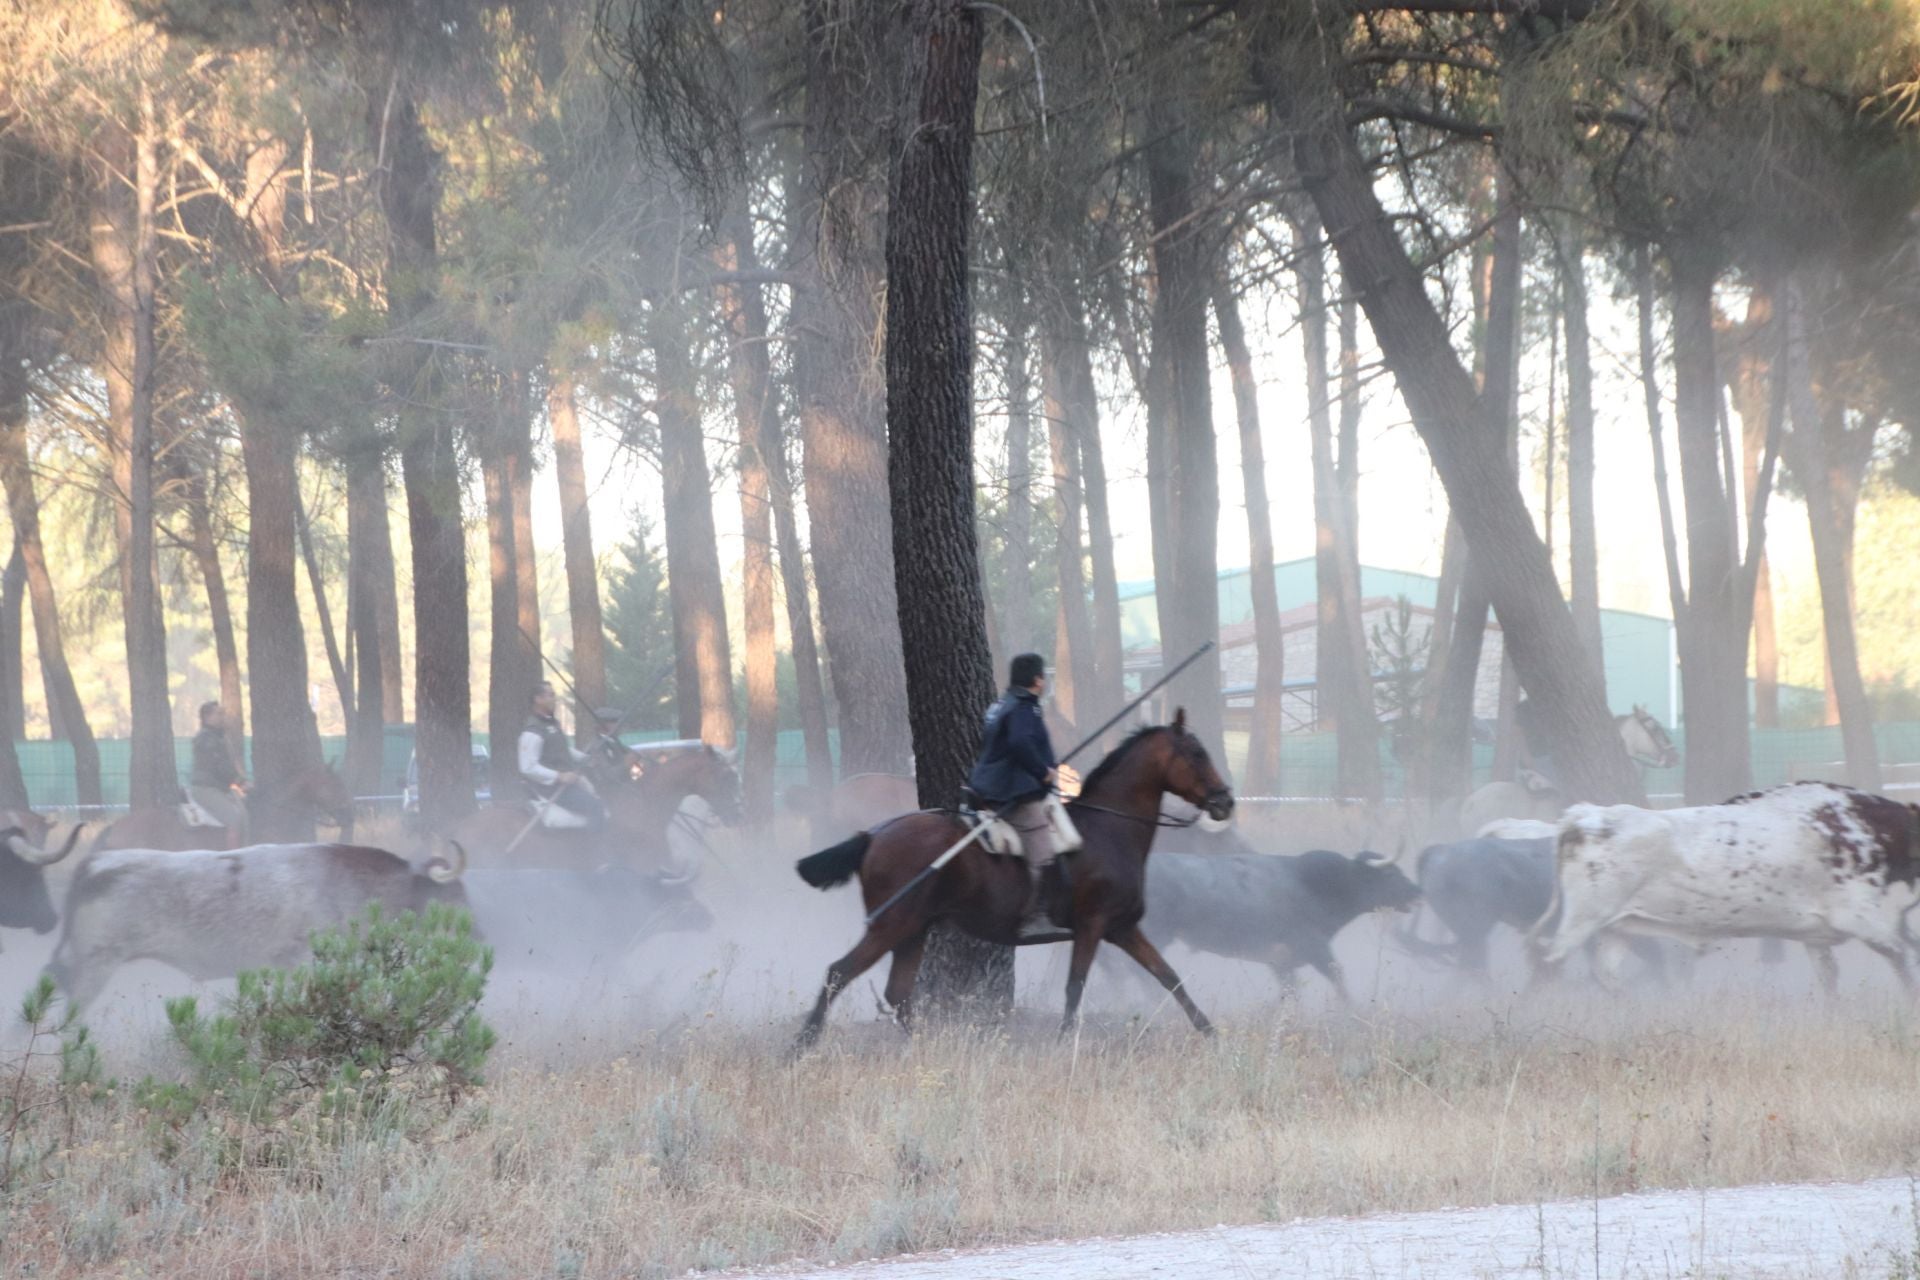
[
  {"x": 13, "y": 709},
  {"x": 1263, "y": 744},
  {"x": 1187, "y": 593},
  {"x": 588, "y": 627},
  {"x": 1830, "y": 461},
  {"x": 369, "y": 554},
  {"x": 1073, "y": 401},
  {"x": 1463, "y": 437},
  {"x": 66, "y": 714},
  {"x": 1752, "y": 387},
  {"x": 1354, "y": 712},
  {"x": 836, "y": 324},
  {"x": 1499, "y": 355},
  {"x": 751, "y": 369},
  {"x": 703, "y": 662},
  {"x": 338, "y": 664},
  {"x": 206, "y": 554},
  {"x": 513, "y": 655},
  {"x": 929, "y": 357},
  {"x": 13, "y": 693},
  {"x": 429, "y": 472},
  {"x": 1583, "y": 543},
  {"x": 1075, "y": 680},
  {"x": 1017, "y": 631},
  {"x": 1713, "y": 645},
  {"x": 125, "y": 262}
]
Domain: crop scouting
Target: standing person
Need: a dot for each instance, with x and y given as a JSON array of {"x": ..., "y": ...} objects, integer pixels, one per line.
[
  {"x": 216, "y": 784},
  {"x": 1015, "y": 775},
  {"x": 548, "y": 761}
]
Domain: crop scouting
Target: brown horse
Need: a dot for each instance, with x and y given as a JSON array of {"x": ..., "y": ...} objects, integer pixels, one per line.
[
  {"x": 1101, "y": 896},
  {"x": 285, "y": 812},
  {"x": 639, "y": 809}
]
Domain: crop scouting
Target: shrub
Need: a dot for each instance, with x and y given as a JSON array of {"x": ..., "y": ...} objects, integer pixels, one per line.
[
  {"x": 386, "y": 1008},
  {"x": 28, "y": 1100}
]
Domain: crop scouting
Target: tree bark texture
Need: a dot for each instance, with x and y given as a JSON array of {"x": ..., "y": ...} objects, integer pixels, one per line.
[
  {"x": 1713, "y": 644},
  {"x": 929, "y": 363},
  {"x": 125, "y": 256},
  {"x": 1263, "y": 743},
  {"x": 1188, "y": 594},
  {"x": 1583, "y": 542},
  {"x": 588, "y": 626},
  {"x": 1463, "y": 437},
  {"x": 1354, "y": 714},
  {"x": 337, "y": 663},
  {"x": 369, "y": 557},
  {"x": 1830, "y": 459},
  {"x": 744, "y": 313},
  {"x": 703, "y": 662},
  {"x": 513, "y": 659},
  {"x": 13, "y": 693},
  {"x": 66, "y": 713},
  {"x": 206, "y": 553},
  {"x": 1073, "y": 402},
  {"x": 429, "y": 472},
  {"x": 1075, "y": 666},
  {"x": 1017, "y": 604},
  {"x": 838, "y": 228},
  {"x": 1751, "y": 385}
]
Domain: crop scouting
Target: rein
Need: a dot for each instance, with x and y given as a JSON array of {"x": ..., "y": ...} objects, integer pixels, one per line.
[{"x": 1158, "y": 820}]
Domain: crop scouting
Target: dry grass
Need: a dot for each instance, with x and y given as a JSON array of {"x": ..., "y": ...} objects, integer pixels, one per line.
[{"x": 703, "y": 1149}]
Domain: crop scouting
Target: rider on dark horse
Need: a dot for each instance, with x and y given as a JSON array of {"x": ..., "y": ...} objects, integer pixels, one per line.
[
  {"x": 216, "y": 783},
  {"x": 550, "y": 764},
  {"x": 1015, "y": 774}
]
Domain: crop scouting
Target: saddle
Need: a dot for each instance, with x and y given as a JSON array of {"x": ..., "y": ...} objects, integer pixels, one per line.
[
  {"x": 194, "y": 816},
  {"x": 1001, "y": 837},
  {"x": 556, "y": 817}
]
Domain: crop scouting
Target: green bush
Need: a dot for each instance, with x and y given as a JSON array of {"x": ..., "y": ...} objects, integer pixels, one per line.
[
  {"x": 30, "y": 1101},
  {"x": 385, "y": 1011}
]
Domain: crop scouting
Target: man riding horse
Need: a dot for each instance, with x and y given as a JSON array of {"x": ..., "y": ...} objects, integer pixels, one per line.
[
  {"x": 1015, "y": 775},
  {"x": 550, "y": 764},
  {"x": 216, "y": 783}
]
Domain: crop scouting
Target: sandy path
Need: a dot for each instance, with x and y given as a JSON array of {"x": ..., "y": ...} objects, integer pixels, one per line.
[{"x": 1806, "y": 1230}]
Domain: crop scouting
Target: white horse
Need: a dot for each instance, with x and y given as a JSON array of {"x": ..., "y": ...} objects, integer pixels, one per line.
[{"x": 1538, "y": 800}]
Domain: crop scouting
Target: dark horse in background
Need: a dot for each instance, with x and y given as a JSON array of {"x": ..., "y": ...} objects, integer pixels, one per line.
[
  {"x": 1100, "y": 898},
  {"x": 641, "y": 801},
  {"x": 285, "y": 812}
]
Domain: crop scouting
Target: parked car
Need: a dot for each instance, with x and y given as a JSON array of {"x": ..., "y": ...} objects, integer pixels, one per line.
[{"x": 410, "y": 785}]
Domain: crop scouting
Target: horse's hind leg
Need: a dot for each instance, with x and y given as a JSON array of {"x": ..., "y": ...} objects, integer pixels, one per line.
[
  {"x": 1086, "y": 941},
  {"x": 1135, "y": 944},
  {"x": 905, "y": 968},
  {"x": 866, "y": 953}
]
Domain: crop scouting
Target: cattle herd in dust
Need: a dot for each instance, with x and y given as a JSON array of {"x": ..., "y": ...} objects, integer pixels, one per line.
[{"x": 1811, "y": 863}]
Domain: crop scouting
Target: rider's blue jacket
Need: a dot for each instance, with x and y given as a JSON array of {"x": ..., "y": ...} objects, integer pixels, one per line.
[{"x": 1015, "y": 752}]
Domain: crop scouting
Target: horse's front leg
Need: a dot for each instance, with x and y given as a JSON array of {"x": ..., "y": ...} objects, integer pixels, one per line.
[
  {"x": 1135, "y": 944},
  {"x": 1086, "y": 941}
]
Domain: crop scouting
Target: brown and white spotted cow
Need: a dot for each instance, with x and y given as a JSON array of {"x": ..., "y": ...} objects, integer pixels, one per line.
[{"x": 1811, "y": 862}]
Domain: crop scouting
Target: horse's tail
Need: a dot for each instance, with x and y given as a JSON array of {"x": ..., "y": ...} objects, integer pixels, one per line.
[{"x": 837, "y": 865}]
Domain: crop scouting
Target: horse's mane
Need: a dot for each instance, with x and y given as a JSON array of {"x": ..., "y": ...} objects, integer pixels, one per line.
[{"x": 1115, "y": 756}]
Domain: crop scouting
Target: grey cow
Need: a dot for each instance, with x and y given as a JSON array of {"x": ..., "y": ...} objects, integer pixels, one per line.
[
  {"x": 1474, "y": 886},
  {"x": 1281, "y": 911},
  {"x": 24, "y": 900},
  {"x": 211, "y": 913}
]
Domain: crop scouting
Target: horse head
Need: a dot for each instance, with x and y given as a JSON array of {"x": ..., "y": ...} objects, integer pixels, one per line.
[
  {"x": 1173, "y": 761},
  {"x": 1646, "y": 740}
]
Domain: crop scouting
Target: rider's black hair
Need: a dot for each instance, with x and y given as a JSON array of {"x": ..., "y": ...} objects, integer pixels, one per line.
[{"x": 1027, "y": 668}]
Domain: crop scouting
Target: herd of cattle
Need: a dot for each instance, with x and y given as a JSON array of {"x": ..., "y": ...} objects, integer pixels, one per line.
[{"x": 1813, "y": 863}]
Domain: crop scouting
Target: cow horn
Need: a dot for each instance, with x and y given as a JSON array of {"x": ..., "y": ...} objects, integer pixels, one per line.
[
  {"x": 33, "y": 855},
  {"x": 445, "y": 870},
  {"x": 1372, "y": 858}
]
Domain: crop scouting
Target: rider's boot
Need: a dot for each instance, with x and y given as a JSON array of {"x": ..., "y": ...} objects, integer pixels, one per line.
[{"x": 1034, "y": 922}]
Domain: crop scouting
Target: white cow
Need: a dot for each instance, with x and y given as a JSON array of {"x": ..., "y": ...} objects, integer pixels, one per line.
[{"x": 1812, "y": 862}]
